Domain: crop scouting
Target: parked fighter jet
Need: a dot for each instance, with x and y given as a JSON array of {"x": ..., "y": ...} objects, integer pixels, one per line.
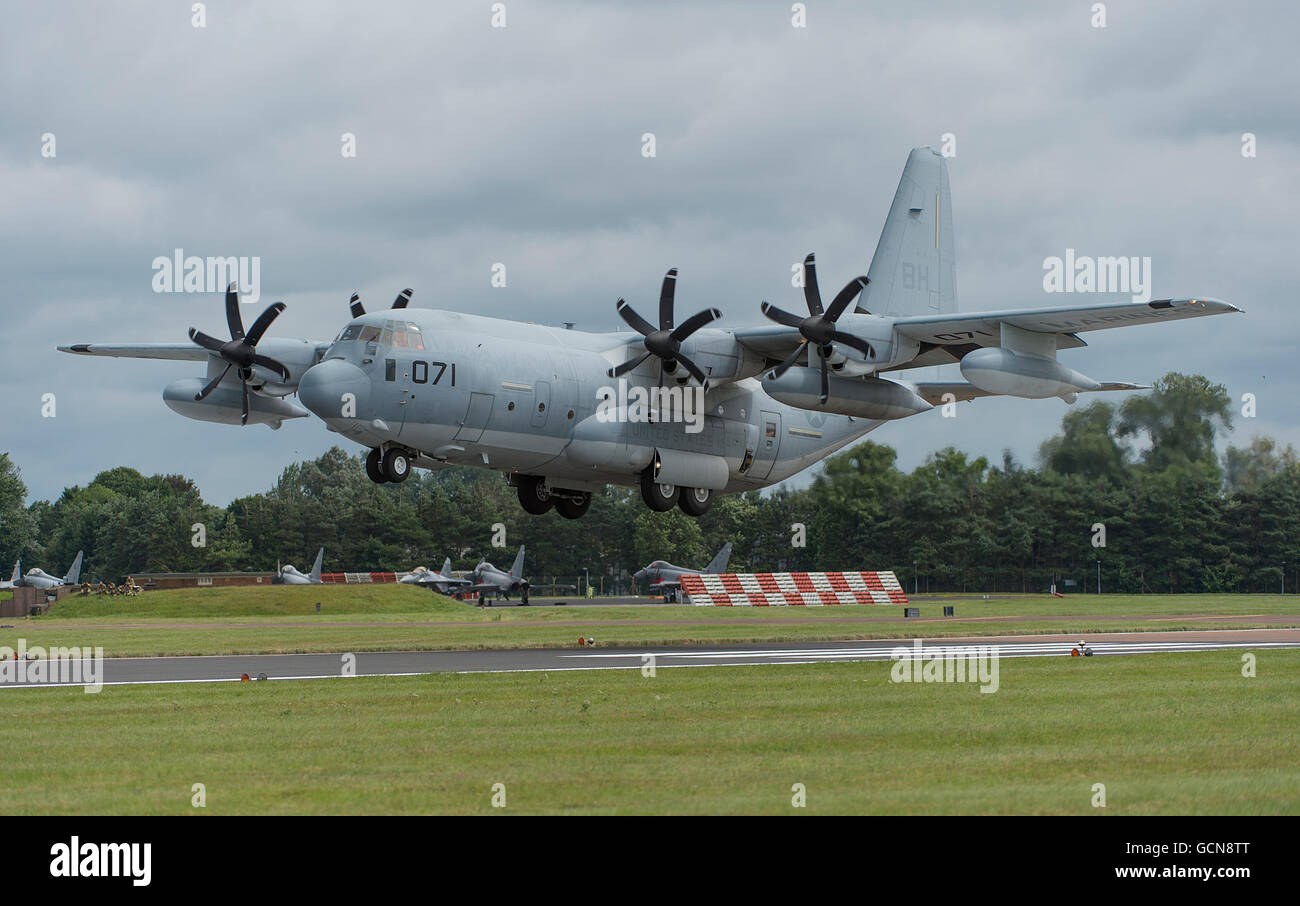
[
  {"x": 490, "y": 580},
  {"x": 666, "y": 578},
  {"x": 442, "y": 580},
  {"x": 289, "y": 575},
  {"x": 682, "y": 409},
  {"x": 38, "y": 578}
]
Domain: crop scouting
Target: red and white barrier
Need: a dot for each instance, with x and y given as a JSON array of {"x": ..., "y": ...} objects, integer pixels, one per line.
[{"x": 792, "y": 589}]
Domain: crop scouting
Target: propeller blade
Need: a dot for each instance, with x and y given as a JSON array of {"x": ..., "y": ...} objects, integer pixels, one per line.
[
  {"x": 850, "y": 292},
  {"x": 203, "y": 394},
  {"x": 789, "y": 360},
  {"x": 233, "y": 320},
  {"x": 635, "y": 321},
  {"x": 263, "y": 322},
  {"x": 403, "y": 298},
  {"x": 628, "y": 365},
  {"x": 243, "y": 419},
  {"x": 666, "y": 294},
  {"x": 210, "y": 343},
  {"x": 694, "y": 323},
  {"x": 811, "y": 293},
  {"x": 849, "y": 339},
  {"x": 826, "y": 381},
  {"x": 272, "y": 365},
  {"x": 695, "y": 372},
  {"x": 781, "y": 316},
  {"x": 355, "y": 304}
]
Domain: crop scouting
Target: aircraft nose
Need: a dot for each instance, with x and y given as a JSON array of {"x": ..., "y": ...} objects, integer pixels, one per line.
[{"x": 335, "y": 389}]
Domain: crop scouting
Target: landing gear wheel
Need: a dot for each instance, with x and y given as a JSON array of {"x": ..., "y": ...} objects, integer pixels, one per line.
[
  {"x": 570, "y": 509},
  {"x": 375, "y": 466},
  {"x": 534, "y": 496},
  {"x": 397, "y": 465},
  {"x": 659, "y": 497},
  {"x": 695, "y": 501}
]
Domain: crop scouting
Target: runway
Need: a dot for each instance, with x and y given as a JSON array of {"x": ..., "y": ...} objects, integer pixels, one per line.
[{"x": 231, "y": 668}]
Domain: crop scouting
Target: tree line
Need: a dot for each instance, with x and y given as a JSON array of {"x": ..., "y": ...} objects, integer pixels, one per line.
[{"x": 1136, "y": 489}]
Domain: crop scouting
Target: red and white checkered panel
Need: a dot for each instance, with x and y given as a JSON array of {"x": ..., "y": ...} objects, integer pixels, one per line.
[{"x": 806, "y": 589}]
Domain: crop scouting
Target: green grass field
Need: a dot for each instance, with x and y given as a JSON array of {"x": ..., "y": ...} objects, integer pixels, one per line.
[
  {"x": 1166, "y": 734},
  {"x": 389, "y": 617}
]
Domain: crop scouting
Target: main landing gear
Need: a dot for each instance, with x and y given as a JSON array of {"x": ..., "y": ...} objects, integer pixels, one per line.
[
  {"x": 536, "y": 497},
  {"x": 393, "y": 464},
  {"x": 663, "y": 497}
]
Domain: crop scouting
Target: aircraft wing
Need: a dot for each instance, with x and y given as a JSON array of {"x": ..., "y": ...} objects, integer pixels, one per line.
[
  {"x": 934, "y": 392},
  {"x": 945, "y": 338},
  {"x": 181, "y": 352},
  {"x": 968, "y": 327}
]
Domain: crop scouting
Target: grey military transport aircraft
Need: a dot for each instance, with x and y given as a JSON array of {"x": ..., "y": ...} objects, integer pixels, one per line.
[
  {"x": 443, "y": 581},
  {"x": 666, "y": 578},
  {"x": 289, "y": 574},
  {"x": 680, "y": 408},
  {"x": 39, "y": 578}
]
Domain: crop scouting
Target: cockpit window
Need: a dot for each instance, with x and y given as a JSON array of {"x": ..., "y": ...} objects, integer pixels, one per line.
[
  {"x": 350, "y": 332},
  {"x": 369, "y": 334}
]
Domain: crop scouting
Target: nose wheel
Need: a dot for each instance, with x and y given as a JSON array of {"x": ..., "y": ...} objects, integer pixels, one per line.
[{"x": 393, "y": 465}]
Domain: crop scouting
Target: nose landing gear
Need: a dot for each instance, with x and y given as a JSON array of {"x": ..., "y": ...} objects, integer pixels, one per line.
[{"x": 391, "y": 465}]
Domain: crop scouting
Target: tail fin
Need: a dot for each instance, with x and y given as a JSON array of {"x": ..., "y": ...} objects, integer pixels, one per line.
[
  {"x": 914, "y": 270},
  {"x": 315, "y": 570},
  {"x": 719, "y": 563},
  {"x": 74, "y": 571},
  {"x": 517, "y": 571},
  {"x": 446, "y": 567},
  {"x": 18, "y": 571}
]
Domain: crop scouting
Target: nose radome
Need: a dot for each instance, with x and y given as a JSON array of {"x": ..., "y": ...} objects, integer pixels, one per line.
[{"x": 335, "y": 389}]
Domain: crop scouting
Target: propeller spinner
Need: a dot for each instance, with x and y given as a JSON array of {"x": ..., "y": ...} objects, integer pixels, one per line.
[
  {"x": 819, "y": 327},
  {"x": 241, "y": 350},
  {"x": 665, "y": 341}
]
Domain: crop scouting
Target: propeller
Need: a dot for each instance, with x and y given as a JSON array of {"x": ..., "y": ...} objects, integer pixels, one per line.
[
  {"x": 241, "y": 350},
  {"x": 403, "y": 299},
  {"x": 819, "y": 327},
  {"x": 665, "y": 341}
]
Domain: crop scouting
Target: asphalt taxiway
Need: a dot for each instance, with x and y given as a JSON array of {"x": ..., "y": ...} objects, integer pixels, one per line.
[{"x": 233, "y": 668}]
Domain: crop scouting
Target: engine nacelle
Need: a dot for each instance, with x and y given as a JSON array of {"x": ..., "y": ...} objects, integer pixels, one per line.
[
  {"x": 872, "y": 398},
  {"x": 1001, "y": 371},
  {"x": 224, "y": 405}
]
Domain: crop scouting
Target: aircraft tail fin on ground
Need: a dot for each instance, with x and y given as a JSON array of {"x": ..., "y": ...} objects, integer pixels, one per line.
[
  {"x": 74, "y": 571},
  {"x": 914, "y": 270},
  {"x": 517, "y": 571},
  {"x": 315, "y": 570},
  {"x": 18, "y": 573},
  {"x": 719, "y": 563},
  {"x": 446, "y": 567}
]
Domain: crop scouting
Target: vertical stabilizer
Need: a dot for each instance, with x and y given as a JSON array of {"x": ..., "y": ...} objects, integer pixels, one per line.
[
  {"x": 446, "y": 567},
  {"x": 517, "y": 571},
  {"x": 74, "y": 571},
  {"x": 719, "y": 563},
  {"x": 914, "y": 270},
  {"x": 315, "y": 570}
]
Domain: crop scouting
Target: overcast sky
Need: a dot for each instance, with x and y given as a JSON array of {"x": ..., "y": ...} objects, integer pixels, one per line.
[{"x": 522, "y": 145}]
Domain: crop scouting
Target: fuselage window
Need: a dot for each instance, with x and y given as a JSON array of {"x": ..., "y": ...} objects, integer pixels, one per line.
[
  {"x": 390, "y": 369},
  {"x": 771, "y": 429}
]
